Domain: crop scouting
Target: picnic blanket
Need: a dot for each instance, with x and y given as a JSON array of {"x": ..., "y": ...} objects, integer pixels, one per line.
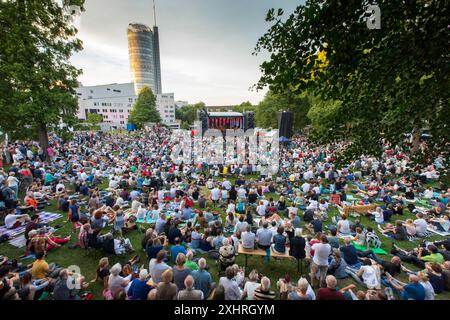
[
  {"x": 45, "y": 217},
  {"x": 363, "y": 248},
  {"x": 148, "y": 220},
  {"x": 18, "y": 242},
  {"x": 441, "y": 233}
]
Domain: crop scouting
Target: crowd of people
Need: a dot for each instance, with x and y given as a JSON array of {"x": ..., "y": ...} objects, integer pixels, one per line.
[{"x": 193, "y": 216}]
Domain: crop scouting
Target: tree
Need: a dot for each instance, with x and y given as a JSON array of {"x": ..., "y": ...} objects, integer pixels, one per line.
[
  {"x": 188, "y": 114},
  {"x": 94, "y": 120},
  {"x": 244, "y": 107},
  {"x": 144, "y": 110},
  {"x": 266, "y": 113},
  {"x": 37, "y": 81},
  {"x": 390, "y": 81}
]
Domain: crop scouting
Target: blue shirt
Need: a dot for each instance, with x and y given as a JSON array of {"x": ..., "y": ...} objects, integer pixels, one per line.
[
  {"x": 264, "y": 237},
  {"x": 317, "y": 225},
  {"x": 202, "y": 280},
  {"x": 296, "y": 222},
  {"x": 138, "y": 290},
  {"x": 414, "y": 291},
  {"x": 187, "y": 214},
  {"x": 350, "y": 255},
  {"x": 280, "y": 243},
  {"x": 175, "y": 250}
]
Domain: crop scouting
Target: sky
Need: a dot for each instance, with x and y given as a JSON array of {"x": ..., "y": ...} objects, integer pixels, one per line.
[{"x": 206, "y": 45}]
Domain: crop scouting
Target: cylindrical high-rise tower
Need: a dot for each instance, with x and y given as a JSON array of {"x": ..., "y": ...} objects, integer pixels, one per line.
[{"x": 140, "y": 47}]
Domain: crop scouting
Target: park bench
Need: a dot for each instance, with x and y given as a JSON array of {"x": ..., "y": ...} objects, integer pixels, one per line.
[{"x": 262, "y": 253}]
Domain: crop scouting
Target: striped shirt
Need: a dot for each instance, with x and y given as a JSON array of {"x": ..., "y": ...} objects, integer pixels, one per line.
[{"x": 264, "y": 295}]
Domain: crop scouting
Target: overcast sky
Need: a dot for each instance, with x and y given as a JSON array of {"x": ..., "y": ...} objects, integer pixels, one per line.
[{"x": 206, "y": 45}]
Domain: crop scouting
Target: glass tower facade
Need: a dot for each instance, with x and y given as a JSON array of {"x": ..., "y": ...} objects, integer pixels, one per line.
[{"x": 143, "y": 49}]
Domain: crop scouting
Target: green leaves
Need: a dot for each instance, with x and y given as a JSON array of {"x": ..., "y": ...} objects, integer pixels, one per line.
[
  {"x": 389, "y": 81},
  {"x": 144, "y": 110},
  {"x": 37, "y": 80}
]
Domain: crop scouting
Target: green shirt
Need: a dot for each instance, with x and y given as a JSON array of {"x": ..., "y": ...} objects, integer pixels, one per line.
[
  {"x": 433, "y": 257},
  {"x": 191, "y": 265}
]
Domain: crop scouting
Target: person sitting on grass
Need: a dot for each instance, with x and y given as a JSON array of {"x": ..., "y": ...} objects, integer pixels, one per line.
[
  {"x": 41, "y": 241},
  {"x": 419, "y": 256},
  {"x": 337, "y": 266},
  {"x": 65, "y": 289},
  {"x": 157, "y": 266},
  {"x": 139, "y": 288},
  {"x": 102, "y": 272},
  {"x": 263, "y": 292},
  {"x": 408, "y": 291},
  {"x": 397, "y": 233},
  {"x": 343, "y": 226},
  {"x": 303, "y": 291},
  {"x": 227, "y": 254},
  {"x": 367, "y": 275},
  {"x": 202, "y": 278},
  {"x": 330, "y": 292},
  {"x": 350, "y": 254},
  {"x": 189, "y": 292},
  {"x": 13, "y": 220},
  {"x": 116, "y": 282},
  {"x": 166, "y": 290},
  {"x": 176, "y": 249},
  {"x": 232, "y": 291}
]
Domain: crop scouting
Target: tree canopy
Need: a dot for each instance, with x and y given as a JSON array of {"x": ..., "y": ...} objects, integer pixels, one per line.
[
  {"x": 267, "y": 110},
  {"x": 188, "y": 114},
  {"x": 94, "y": 119},
  {"x": 390, "y": 81},
  {"x": 37, "y": 81},
  {"x": 144, "y": 109}
]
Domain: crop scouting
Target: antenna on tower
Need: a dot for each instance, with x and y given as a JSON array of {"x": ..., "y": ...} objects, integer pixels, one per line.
[{"x": 154, "y": 13}]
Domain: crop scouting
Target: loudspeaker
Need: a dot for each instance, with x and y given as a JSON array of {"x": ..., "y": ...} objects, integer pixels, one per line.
[
  {"x": 204, "y": 121},
  {"x": 285, "y": 123},
  {"x": 249, "y": 120}
]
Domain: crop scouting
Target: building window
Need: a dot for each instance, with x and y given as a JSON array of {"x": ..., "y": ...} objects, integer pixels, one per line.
[{"x": 121, "y": 110}]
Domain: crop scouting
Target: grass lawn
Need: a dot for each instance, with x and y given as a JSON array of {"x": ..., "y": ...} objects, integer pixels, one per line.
[{"x": 87, "y": 260}]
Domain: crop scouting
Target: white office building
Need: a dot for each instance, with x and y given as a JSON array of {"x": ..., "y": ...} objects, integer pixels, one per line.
[{"x": 114, "y": 103}]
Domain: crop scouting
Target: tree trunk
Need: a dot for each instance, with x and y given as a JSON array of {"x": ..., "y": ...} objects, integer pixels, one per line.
[
  {"x": 415, "y": 140},
  {"x": 43, "y": 139}
]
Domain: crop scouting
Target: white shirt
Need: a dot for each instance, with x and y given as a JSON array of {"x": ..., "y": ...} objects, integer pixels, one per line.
[
  {"x": 141, "y": 213},
  {"x": 215, "y": 194},
  {"x": 370, "y": 276},
  {"x": 344, "y": 226},
  {"x": 10, "y": 220},
  {"x": 241, "y": 192},
  {"x": 250, "y": 288},
  {"x": 429, "y": 290},
  {"x": 306, "y": 187},
  {"x": 321, "y": 253},
  {"x": 261, "y": 209},
  {"x": 421, "y": 226}
]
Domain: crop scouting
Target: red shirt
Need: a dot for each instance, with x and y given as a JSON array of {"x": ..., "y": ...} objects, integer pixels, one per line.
[{"x": 329, "y": 294}]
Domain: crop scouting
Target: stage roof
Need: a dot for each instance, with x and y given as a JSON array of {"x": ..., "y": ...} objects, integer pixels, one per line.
[{"x": 225, "y": 114}]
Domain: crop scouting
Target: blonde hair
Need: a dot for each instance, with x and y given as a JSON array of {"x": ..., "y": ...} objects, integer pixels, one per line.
[
  {"x": 302, "y": 285},
  {"x": 253, "y": 276},
  {"x": 167, "y": 276},
  {"x": 103, "y": 262},
  {"x": 181, "y": 259}
]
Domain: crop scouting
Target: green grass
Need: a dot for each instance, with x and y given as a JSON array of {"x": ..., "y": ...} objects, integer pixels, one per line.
[{"x": 87, "y": 260}]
